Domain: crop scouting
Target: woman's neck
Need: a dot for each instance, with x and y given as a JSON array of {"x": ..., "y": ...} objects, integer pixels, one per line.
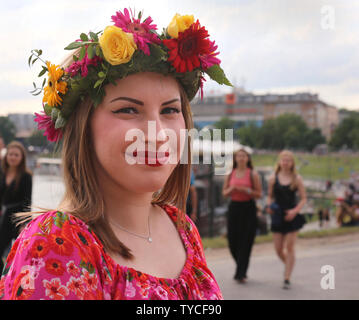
[
  {"x": 11, "y": 171},
  {"x": 125, "y": 207},
  {"x": 241, "y": 168}
]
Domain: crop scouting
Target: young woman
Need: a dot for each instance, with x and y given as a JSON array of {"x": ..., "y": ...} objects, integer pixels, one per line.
[
  {"x": 282, "y": 204},
  {"x": 243, "y": 186},
  {"x": 120, "y": 231},
  {"x": 15, "y": 192}
]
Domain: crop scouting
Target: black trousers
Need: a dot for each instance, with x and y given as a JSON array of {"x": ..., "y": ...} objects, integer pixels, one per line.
[
  {"x": 241, "y": 232},
  {"x": 8, "y": 232}
]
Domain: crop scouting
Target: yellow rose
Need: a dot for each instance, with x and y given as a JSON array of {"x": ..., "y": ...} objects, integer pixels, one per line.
[
  {"x": 179, "y": 24},
  {"x": 117, "y": 46}
]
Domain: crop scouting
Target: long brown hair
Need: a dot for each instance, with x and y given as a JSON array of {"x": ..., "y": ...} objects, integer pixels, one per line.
[
  {"x": 294, "y": 183},
  {"x": 83, "y": 197},
  {"x": 21, "y": 168}
]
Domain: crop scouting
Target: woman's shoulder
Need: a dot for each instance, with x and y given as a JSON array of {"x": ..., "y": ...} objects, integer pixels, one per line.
[
  {"x": 56, "y": 227},
  {"x": 26, "y": 175},
  {"x": 54, "y": 250}
]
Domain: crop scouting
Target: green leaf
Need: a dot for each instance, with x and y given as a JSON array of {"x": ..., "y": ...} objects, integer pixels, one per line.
[
  {"x": 94, "y": 36},
  {"x": 101, "y": 74},
  {"x": 29, "y": 61},
  {"x": 84, "y": 37},
  {"x": 90, "y": 51},
  {"x": 74, "y": 45},
  {"x": 48, "y": 110},
  {"x": 43, "y": 83},
  {"x": 217, "y": 74},
  {"x": 60, "y": 121},
  {"x": 43, "y": 71},
  {"x": 54, "y": 114},
  {"x": 98, "y": 83},
  {"x": 82, "y": 53},
  {"x": 98, "y": 51}
]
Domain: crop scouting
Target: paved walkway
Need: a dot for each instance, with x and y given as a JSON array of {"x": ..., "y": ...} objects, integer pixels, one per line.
[{"x": 266, "y": 271}]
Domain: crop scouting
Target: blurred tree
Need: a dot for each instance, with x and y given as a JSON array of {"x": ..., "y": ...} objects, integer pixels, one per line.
[
  {"x": 7, "y": 129},
  {"x": 285, "y": 131},
  {"x": 38, "y": 139},
  {"x": 225, "y": 123},
  {"x": 346, "y": 134}
]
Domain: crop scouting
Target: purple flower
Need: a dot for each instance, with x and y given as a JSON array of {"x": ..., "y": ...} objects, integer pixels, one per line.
[
  {"x": 143, "y": 32},
  {"x": 44, "y": 122},
  {"x": 208, "y": 60},
  {"x": 82, "y": 65}
]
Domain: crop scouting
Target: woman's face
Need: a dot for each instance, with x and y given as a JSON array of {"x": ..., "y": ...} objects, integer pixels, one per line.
[
  {"x": 286, "y": 162},
  {"x": 136, "y": 100},
  {"x": 241, "y": 158},
  {"x": 14, "y": 157}
]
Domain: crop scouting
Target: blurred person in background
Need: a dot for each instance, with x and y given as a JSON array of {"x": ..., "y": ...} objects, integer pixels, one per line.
[
  {"x": 282, "y": 204},
  {"x": 2, "y": 149},
  {"x": 15, "y": 192},
  {"x": 243, "y": 186}
]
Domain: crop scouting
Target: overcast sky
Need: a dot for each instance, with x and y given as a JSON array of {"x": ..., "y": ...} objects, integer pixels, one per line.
[{"x": 267, "y": 46}]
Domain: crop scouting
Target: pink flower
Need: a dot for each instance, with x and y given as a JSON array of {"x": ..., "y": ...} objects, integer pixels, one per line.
[
  {"x": 82, "y": 65},
  {"x": 209, "y": 59},
  {"x": 130, "y": 290},
  {"x": 143, "y": 32},
  {"x": 45, "y": 123},
  {"x": 161, "y": 293}
]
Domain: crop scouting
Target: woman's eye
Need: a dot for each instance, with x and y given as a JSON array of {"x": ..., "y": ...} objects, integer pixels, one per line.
[
  {"x": 129, "y": 110},
  {"x": 171, "y": 110}
]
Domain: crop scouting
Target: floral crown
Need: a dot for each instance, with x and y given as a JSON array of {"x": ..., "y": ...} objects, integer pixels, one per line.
[{"x": 129, "y": 46}]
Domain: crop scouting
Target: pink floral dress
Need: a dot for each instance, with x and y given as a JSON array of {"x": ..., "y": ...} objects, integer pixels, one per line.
[{"x": 57, "y": 256}]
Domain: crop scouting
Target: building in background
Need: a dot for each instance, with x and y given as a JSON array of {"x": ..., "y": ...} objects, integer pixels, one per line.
[
  {"x": 244, "y": 107},
  {"x": 24, "y": 124}
]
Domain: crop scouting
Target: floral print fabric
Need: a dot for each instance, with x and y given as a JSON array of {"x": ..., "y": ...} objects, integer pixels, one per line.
[{"x": 58, "y": 257}]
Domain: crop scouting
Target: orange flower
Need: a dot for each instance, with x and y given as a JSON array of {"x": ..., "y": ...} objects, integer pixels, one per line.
[
  {"x": 55, "y": 267},
  {"x": 40, "y": 248},
  {"x": 54, "y": 86},
  {"x": 60, "y": 244}
]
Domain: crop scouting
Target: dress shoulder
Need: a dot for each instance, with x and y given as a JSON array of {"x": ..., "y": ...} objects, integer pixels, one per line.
[{"x": 57, "y": 257}]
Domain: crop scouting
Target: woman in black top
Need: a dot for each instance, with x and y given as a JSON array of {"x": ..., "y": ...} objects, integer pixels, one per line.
[
  {"x": 15, "y": 192},
  {"x": 282, "y": 204}
]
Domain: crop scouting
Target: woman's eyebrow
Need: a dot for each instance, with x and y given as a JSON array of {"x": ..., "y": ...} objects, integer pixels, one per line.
[
  {"x": 129, "y": 99},
  {"x": 169, "y": 102}
]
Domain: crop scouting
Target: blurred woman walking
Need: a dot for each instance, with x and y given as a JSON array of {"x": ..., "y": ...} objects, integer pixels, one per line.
[
  {"x": 15, "y": 192},
  {"x": 243, "y": 186},
  {"x": 282, "y": 204}
]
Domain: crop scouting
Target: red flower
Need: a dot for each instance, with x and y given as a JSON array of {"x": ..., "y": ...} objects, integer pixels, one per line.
[
  {"x": 90, "y": 280},
  {"x": 72, "y": 268},
  {"x": 77, "y": 286},
  {"x": 55, "y": 290},
  {"x": 40, "y": 248},
  {"x": 60, "y": 244},
  {"x": 55, "y": 267},
  {"x": 189, "y": 48},
  {"x": 45, "y": 123}
]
